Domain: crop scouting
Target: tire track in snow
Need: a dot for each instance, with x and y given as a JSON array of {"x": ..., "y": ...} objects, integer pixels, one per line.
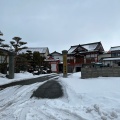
[
  {"x": 60, "y": 113},
  {"x": 42, "y": 115},
  {"x": 21, "y": 100},
  {"x": 18, "y": 98}
]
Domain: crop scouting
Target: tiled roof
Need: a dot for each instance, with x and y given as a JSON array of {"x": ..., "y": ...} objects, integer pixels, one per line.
[
  {"x": 105, "y": 59},
  {"x": 89, "y": 47},
  {"x": 4, "y": 50},
  {"x": 115, "y": 48},
  {"x": 72, "y": 49},
  {"x": 55, "y": 52},
  {"x": 35, "y": 49}
]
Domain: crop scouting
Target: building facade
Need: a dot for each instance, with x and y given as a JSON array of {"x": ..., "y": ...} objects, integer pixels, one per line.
[
  {"x": 83, "y": 54},
  {"x": 114, "y": 59},
  {"x": 55, "y": 59}
]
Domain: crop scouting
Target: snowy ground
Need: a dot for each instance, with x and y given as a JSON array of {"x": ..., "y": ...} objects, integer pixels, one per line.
[{"x": 84, "y": 99}]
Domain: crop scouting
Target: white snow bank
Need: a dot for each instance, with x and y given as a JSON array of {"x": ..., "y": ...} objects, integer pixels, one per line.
[
  {"x": 84, "y": 99},
  {"x": 99, "y": 98}
]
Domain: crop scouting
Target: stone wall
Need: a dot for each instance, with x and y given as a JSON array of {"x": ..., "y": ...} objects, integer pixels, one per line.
[{"x": 100, "y": 72}]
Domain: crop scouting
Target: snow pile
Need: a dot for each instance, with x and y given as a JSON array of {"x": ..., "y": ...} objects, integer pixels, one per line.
[
  {"x": 97, "y": 98},
  {"x": 84, "y": 99}
]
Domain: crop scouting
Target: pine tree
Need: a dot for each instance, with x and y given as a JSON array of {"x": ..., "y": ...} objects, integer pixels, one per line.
[{"x": 17, "y": 44}]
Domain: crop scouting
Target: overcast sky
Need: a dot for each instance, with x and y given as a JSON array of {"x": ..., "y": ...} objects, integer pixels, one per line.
[{"x": 59, "y": 24}]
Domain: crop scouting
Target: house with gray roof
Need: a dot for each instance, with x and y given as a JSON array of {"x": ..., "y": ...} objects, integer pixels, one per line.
[
  {"x": 115, "y": 51},
  {"x": 114, "y": 59},
  {"x": 44, "y": 51},
  {"x": 55, "y": 59}
]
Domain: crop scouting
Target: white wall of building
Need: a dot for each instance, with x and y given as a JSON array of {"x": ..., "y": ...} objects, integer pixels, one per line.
[
  {"x": 58, "y": 56},
  {"x": 106, "y": 55},
  {"x": 53, "y": 67}
]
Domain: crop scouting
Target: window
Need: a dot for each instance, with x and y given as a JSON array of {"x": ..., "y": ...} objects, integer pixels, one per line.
[
  {"x": 118, "y": 54},
  {"x": 114, "y": 55}
]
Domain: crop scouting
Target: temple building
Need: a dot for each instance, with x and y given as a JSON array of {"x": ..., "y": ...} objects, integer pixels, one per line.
[{"x": 83, "y": 54}]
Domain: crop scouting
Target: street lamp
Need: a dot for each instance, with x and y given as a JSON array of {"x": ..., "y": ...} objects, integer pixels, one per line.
[{"x": 1, "y": 33}]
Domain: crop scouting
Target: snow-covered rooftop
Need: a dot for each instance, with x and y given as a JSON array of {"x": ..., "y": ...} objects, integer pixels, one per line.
[
  {"x": 35, "y": 49},
  {"x": 72, "y": 49},
  {"x": 5, "y": 49},
  {"x": 90, "y": 47},
  {"x": 115, "y": 48},
  {"x": 56, "y": 53},
  {"x": 111, "y": 59}
]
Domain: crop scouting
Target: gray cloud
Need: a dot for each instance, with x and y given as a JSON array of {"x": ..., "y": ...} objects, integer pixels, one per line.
[{"x": 58, "y": 24}]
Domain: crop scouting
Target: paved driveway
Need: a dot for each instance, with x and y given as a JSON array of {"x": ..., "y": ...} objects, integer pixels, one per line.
[{"x": 31, "y": 81}]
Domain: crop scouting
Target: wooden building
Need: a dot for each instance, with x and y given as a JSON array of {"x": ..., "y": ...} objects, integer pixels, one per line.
[{"x": 83, "y": 54}]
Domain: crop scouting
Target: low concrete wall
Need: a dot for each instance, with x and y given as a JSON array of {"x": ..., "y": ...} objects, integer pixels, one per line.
[{"x": 97, "y": 72}]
